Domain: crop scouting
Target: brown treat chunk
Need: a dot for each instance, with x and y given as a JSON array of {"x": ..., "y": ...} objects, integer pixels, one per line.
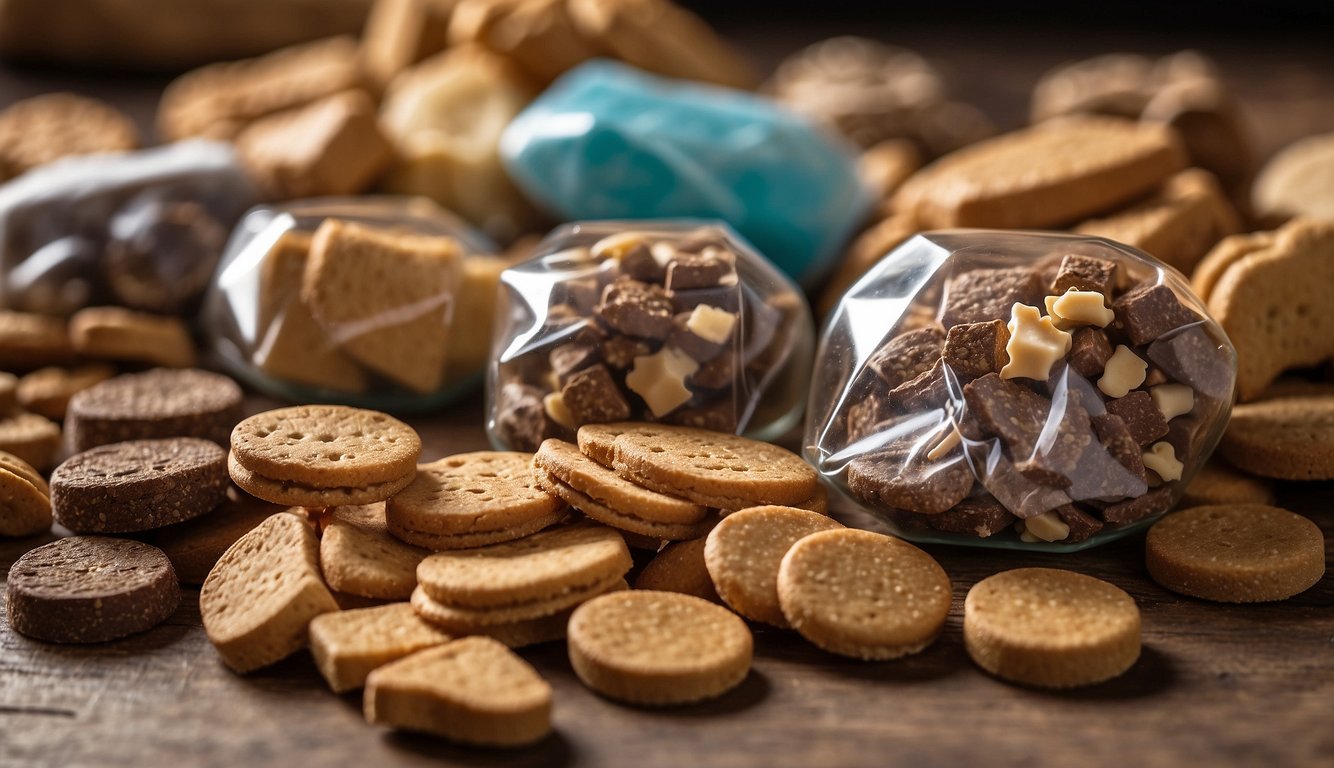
[
  {"x": 907, "y": 356},
  {"x": 1120, "y": 444},
  {"x": 138, "y": 485},
  {"x": 154, "y": 404},
  {"x": 1155, "y": 502},
  {"x": 326, "y": 446},
  {"x": 718, "y": 373},
  {"x": 1236, "y": 553},
  {"x": 982, "y": 517},
  {"x": 680, "y": 567},
  {"x": 1141, "y": 416},
  {"x": 976, "y": 349},
  {"x": 1195, "y": 358},
  {"x": 1082, "y": 525},
  {"x": 685, "y": 336},
  {"x": 348, "y": 645},
  {"x": 638, "y": 263},
  {"x": 568, "y": 359},
  {"x": 400, "y": 33},
  {"x": 1018, "y": 493},
  {"x": 193, "y": 547},
  {"x": 982, "y": 295},
  {"x": 29, "y": 341},
  {"x": 1084, "y": 273},
  {"x": 358, "y": 556},
  {"x": 45, "y": 128},
  {"x": 25, "y": 506},
  {"x": 637, "y": 309},
  {"x": 1054, "y": 457},
  {"x": 47, "y": 391},
  {"x": 620, "y": 351},
  {"x": 90, "y": 589},
  {"x": 1218, "y": 483},
  {"x": 720, "y": 416},
  {"x": 520, "y": 421},
  {"x": 1150, "y": 310},
  {"x": 114, "y": 333},
  {"x": 1089, "y": 352},
  {"x": 866, "y": 416},
  {"x": 928, "y": 390},
  {"x": 1287, "y": 438},
  {"x": 31, "y": 438},
  {"x": 700, "y": 270},
  {"x": 486, "y": 492},
  {"x": 901, "y": 479},
  {"x": 1008, "y": 410},
  {"x": 592, "y": 397}
]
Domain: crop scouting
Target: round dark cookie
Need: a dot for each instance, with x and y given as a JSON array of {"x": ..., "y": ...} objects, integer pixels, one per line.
[
  {"x": 154, "y": 404},
  {"x": 90, "y": 589},
  {"x": 139, "y": 485}
]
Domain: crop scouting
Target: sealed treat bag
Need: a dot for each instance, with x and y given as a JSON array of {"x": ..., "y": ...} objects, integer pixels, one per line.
[
  {"x": 1018, "y": 390},
  {"x": 674, "y": 322},
  {"x": 382, "y": 302},
  {"x": 140, "y": 229}
]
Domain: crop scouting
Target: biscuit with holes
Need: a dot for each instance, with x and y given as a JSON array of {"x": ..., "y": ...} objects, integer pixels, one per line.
[
  {"x": 1285, "y": 438},
  {"x": 1050, "y": 628},
  {"x": 163, "y": 402},
  {"x": 446, "y": 542},
  {"x": 744, "y": 551},
  {"x": 116, "y": 333},
  {"x": 598, "y": 441},
  {"x": 863, "y": 594},
  {"x": 564, "y": 462},
  {"x": 25, "y": 506},
  {"x": 348, "y": 645},
  {"x": 520, "y": 633},
  {"x": 679, "y": 567},
  {"x": 1218, "y": 483},
  {"x": 293, "y": 494},
  {"x": 32, "y": 438},
  {"x": 1236, "y": 553},
  {"x": 194, "y": 546},
  {"x": 326, "y": 446},
  {"x": 624, "y": 522},
  {"x": 360, "y": 557},
  {"x": 483, "y": 496},
  {"x": 47, "y": 391},
  {"x": 473, "y": 621}
]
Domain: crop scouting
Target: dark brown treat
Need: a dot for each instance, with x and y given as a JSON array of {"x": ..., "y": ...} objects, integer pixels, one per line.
[
  {"x": 193, "y": 547},
  {"x": 988, "y": 294},
  {"x": 1192, "y": 357},
  {"x": 720, "y": 416},
  {"x": 1053, "y": 460},
  {"x": 163, "y": 259},
  {"x": 907, "y": 356},
  {"x": 154, "y": 404},
  {"x": 1154, "y": 502},
  {"x": 1082, "y": 524},
  {"x": 90, "y": 589},
  {"x": 1017, "y": 493},
  {"x": 1148, "y": 311},
  {"x": 638, "y": 263},
  {"x": 976, "y": 349},
  {"x": 1089, "y": 352},
  {"x": 620, "y": 351},
  {"x": 1007, "y": 410},
  {"x": 695, "y": 346},
  {"x": 982, "y": 517},
  {"x": 581, "y": 294},
  {"x": 713, "y": 267},
  {"x": 865, "y": 415},
  {"x": 1085, "y": 273},
  {"x": 758, "y": 331},
  {"x": 726, "y": 297},
  {"x": 568, "y": 359},
  {"x": 718, "y": 373},
  {"x": 926, "y": 391},
  {"x": 592, "y": 397},
  {"x": 638, "y": 309},
  {"x": 1181, "y": 434},
  {"x": 900, "y": 479},
  {"x": 1120, "y": 444},
  {"x": 521, "y": 421},
  {"x": 139, "y": 485},
  {"x": 1141, "y": 416}
]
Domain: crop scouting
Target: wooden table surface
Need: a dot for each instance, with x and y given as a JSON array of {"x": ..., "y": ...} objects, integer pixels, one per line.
[{"x": 1216, "y": 685}]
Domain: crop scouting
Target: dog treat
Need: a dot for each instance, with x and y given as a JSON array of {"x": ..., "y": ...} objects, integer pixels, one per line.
[
  {"x": 629, "y": 524},
  {"x": 1236, "y": 553},
  {"x": 1296, "y": 181},
  {"x": 90, "y": 589},
  {"x": 348, "y": 645},
  {"x": 32, "y": 438},
  {"x": 1218, "y": 483},
  {"x": 680, "y": 567},
  {"x": 194, "y": 546},
  {"x": 155, "y": 404},
  {"x": 1050, "y": 628},
  {"x": 544, "y": 623},
  {"x": 540, "y": 36},
  {"x": 25, "y": 499},
  {"x": 359, "y": 556},
  {"x": 30, "y": 341},
  {"x": 472, "y": 690},
  {"x": 567, "y": 464},
  {"x": 113, "y": 333},
  {"x": 863, "y": 594},
  {"x": 45, "y": 128},
  {"x": 259, "y": 599},
  {"x": 1285, "y": 438},
  {"x": 138, "y": 485},
  {"x": 400, "y": 33},
  {"x": 743, "y": 553},
  {"x": 658, "y": 648},
  {"x": 47, "y": 391}
]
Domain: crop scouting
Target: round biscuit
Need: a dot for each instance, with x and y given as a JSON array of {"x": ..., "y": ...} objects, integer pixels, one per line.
[
  {"x": 358, "y": 556},
  {"x": 296, "y": 495},
  {"x": 24, "y": 470},
  {"x": 47, "y": 391},
  {"x": 565, "y": 463},
  {"x": 1286, "y": 438},
  {"x": 32, "y": 438},
  {"x": 1218, "y": 483},
  {"x": 446, "y": 542},
  {"x": 466, "y": 621},
  {"x": 162, "y": 402},
  {"x": 619, "y": 520},
  {"x": 598, "y": 441},
  {"x": 326, "y": 446},
  {"x": 476, "y": 493},
  {"x": 679, "y": 567},
  {"x": 24, "y": 508}
]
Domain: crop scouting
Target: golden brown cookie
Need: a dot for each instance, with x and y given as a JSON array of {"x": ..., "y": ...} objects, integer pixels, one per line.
[
  {"x": 598, "y": 441},
  {"x": 1050, "y": 628},
  {"x": 679, "y": 567},
  {"x": 44, "y": 128},
  {"x": 29, "y": 341},
  {"x": 30, "y": 437},
  {"x": 293, "y": 494},
  {"x": 537, "y": 35},
  {"x": 473, "y": 690},
  {"x": 194, "y": 547},
  {"x": 1049, "y": 175},
  {"x": 400, "y": 33},
  {"x": 25, "y": 505},
  {"x": 1218, "y": 483},
  {"x": 348, "y": 645},
  {"x": 564, "y": 462},
  {"x": 745, "y": 550},
  {"x": 863, "y": 594},
  {"x": 1298, "y": 180},
  {"x": 658, "y": 648},
  {"x": 23, "y": 469},
  {"x": 1235, "y": 553},
  {"x": 626, "y": 523},
  {"x": 1227, "y": 252},
  {"x": 447, "y": 542},
  {"x": 359, "y": 556},
  {"x": 1286, "y": 438},
  {"x": 116, "y": 333},
  {"x": 47, "y": 391},
  {"x": 326, "y": 446},
  {"x": 471, "y": 621}
]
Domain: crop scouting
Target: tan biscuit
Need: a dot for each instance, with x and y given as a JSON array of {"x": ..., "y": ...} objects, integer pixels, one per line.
[
  {"x": 623, "y": 522},
  {"x": 447, "y": 542},
  {"x": 473, "y": 690},
  {"x": 24, "y": 508},
  {"x": 326, "y": 446},
  {"x": 30, "y": 437},
  {"x": 470, "y": 494},
  {"x": 1274, "y": 306},
  {"x": 1050, "y": 628},
  {"x": 400, "y": 33},
  {"x": 44, "y": 128},
  {"x": 1236, "y": 553},
  {"x": 292, "y": 494},
  {"x": 565, "y": 463},
  {"x": 658, "y": 648},
  {"x": 1299, "y": 180},
  {"x": 47, "y": 391},
  {"x": 385, "y": 298},
  {"x": 538, "y": 568},
  {"x": 360, "y": 557},
  {"x": 679, "y": 567},
  {"x": 543, "y": 629},
  {"x": 1286, "y": 438},
  {"x": 598, "y": 441},
  {"x": 194, "y": 547},
  {"x": 744, "y": 552},
  {"x": 863, "y": 594},
  {"x": 23, "y": 469},
  {"x": 1227, "y": 252},
  {"x": 348, "y": 645},
  {"x": 1049, "y": 175},
  {"x": 259, "y": 599},
  {"x": 1218, "y": 483},
  {"x": 116, "y": 333},
  {"x": 469, "y": 621},
  {"x": 29, "y": 341}
]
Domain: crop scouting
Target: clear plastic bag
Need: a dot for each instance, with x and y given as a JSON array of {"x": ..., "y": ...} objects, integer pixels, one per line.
[
  {"x": 382, "y": 302},
  {"x": 140, "y": 229},
  {"x": 679, "y": 322},
  {"x": 1018, "y": 390}
]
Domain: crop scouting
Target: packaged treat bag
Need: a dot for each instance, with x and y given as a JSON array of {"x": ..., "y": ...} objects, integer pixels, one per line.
[
  {"x": 1018, "y": 390},
  {"x": 385, "y": 302},
  {"x": 677, "y": 322},
  {"x": 140, "y": 229}
]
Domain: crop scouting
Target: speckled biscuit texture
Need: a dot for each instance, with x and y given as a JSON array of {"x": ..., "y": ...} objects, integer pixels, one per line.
[{"x": 163, "y": 402}]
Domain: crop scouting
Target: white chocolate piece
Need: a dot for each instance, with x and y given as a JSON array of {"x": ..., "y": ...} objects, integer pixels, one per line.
[
  {"x": 662, "y": 252},
  {"x": 1074, "y": 308},
  {"x": 1035, "y": 344},
  {"x": 617, "y": 245},
  {"x": 554, "y": 405},
  {"x": 659, "y": 378},
  {"x": 1047, "y": 526},
  {"x": 1162, "y": 458},
  {"x": 1124, "y": 371},
  {"x": 949, "y": 443},
  {"x": 711, "y": 324},
  {"x": 1173, "y": 399}
]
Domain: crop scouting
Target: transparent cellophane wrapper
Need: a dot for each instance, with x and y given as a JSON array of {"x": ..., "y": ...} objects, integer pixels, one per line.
[
  {"x": 381, "y": 302},
  {"x": 678, "y": 322},
  {"x": 912, "y": 420},
  {"x": 140, "y": 229}
]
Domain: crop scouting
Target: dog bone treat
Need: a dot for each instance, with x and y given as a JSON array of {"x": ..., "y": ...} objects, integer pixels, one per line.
[
  {"x": 25, "y": 499},
  {"x": 123, "y": 335},
  {"x": 44, "y": 128},
  {"x": 323, "y": 456},
  {"x": 29, "y": 340},
  {"x": 681, "y": 325},
  {"x": 259, "y": 599},
  {"x": 1296, "y": 181},
  {"x": 47, "y": 391},
  {"x": 140, "y": 229},
  {"x": 1050, "y": 628},
  {"x": 33, "y": 439},
  {"x": 680, "y": 567},
  {"x": 400, "y": 33},
  {"x": 473, "y": 690},
  {"x": 359, "y": 556},
  {"x": 1288, "y": 437},
  {"x": 1107, "y": 365},
  {"x": 194, "y": 546},
  {"x": 90, "y": 589},
  {"x": 1236, "y": 553},
  {"x": 139, "y": 485},
  {"x": 155, "y": 404},
  {"x": 348, "y": 645}
]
